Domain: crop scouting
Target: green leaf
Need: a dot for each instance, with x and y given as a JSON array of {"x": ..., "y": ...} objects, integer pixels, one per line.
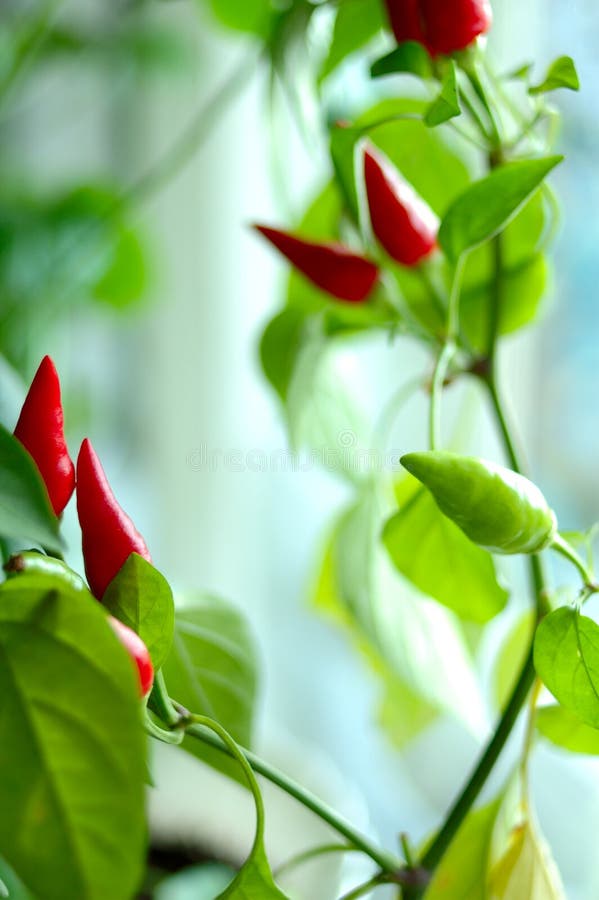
[
  {"x": 522, "y": 290},
  {"x": 447, "y": 105},
  {"x": 462, "y": 873},
  {"x": 567, "y": 661},
  {"x": 564, "y": 729},
  {"x": 423, "y": 158},
  {"x": 72, "y": 746},
  {"x": 141, "y": 597},
  {"x": 413, "y": 645},
  {"x": 561, "y": 74},
  {"x": 280, "y": 346},
  {"x": 437, "y": 557},
  {"x": 125, "y": 279},
  {"x": 486, "y": 207},
  {"x": 409, "y": 58},
  {"x": 254, "y": 880},
  {"x": 253, "y": 16},
  {"x": 324, "y": 415},
  {"x": 356, "y": 23},
  {"x": 526, "y": 869},
  {"x": 25, "y": 510},
  {"x": 212, "y": 671}
]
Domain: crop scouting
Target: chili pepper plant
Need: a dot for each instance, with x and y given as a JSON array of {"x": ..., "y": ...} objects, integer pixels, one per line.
[{"x": 434, "y": 229}]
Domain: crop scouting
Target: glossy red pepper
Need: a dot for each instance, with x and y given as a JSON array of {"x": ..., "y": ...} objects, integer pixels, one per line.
[
  {"x": 443, "y": 26},
  {"x": 401, "y": 221},
  {"x": 40, "y": 429},
  {"x": 137, "y": 651},
  {"x": 109, "y": 536},
  {"x": 333, "y": 268}
]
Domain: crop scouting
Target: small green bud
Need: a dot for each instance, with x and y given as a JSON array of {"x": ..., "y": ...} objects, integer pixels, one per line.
[{"x": 495, "y": 507}]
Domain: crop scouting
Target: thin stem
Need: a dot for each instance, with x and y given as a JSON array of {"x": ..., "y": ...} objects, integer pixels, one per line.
[
  {"x": 383, "y": 859},
  {"x": 30, "y": 44},
  {"x": 438, "y": 381},
  {"x": 365, "y": 888},
  {"x": 466, "y": 799},
  {"x": 561, "y": 546},
  {"x": 314, "y": 853},
  {"x": 192, "y": 137},
  {"x": 480, "y": 92},
  {"x": 236, "y": 752}
]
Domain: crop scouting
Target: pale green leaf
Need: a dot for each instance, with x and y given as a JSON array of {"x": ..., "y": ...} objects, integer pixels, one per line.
[
  {"x": 409, "y": 58},
  {"x": 446, "y": 105},
  {"x": 567, "y": 661},
  {"x": 526, "y": 869},
  {"x": 564, "y": 729},
  {"x": 561, "y": 74},
  {"x": 357, "y": 21},
  {"x": 488, "y": 205},
  {"x": 436, "y": 556}
]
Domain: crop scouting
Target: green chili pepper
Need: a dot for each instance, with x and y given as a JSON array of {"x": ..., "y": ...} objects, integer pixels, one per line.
[
  {"x": 34, "y": 563},
  {"x": 496, "y": 508}
]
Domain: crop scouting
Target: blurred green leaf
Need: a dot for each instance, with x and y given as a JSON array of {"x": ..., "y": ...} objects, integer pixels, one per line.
[
  {"x": 356, "y": 23},
  {"x": 15, "y": 889},
  {"x": 561, "y": 74},
  {"x": 124, "y": 281},
  {"x": 409, "y": 58},
  {"x": 212, "y": 671},
  {"x": 567, "y": 661},
  {"x": 279, "y": 347},
  {"x": 564, "y": 729},
  {"x": 324, "y": 413},
  {"x": 25, "y": 510},
  {"x": 488, "y": 205},
  {"x": 72, "y": 746},
  {"x": 253, "y": 16},
  {"x": 522, "y": 290},
  {"x": 435, "y": 555},
  {"x": 141, "y": 597},
  {"x": 446, "y": 105},
  {"x": 414, "y": 645},
  {"x": 462, "y": 873}
]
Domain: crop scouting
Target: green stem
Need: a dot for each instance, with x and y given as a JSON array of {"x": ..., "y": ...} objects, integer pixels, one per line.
[
  {"x": 239, "y": 755},
  {"x": 438, "y": 382},
  {"x": 479, "y": 90},
  {"x": 478, "y": 778},
  {"x": 365, "y": 888},
  {"x": 560, "y": 545},
  {"x": 383, "y": 859},
  {"x": 313, "y": 853},
  {"x": 29, "y": 45}
]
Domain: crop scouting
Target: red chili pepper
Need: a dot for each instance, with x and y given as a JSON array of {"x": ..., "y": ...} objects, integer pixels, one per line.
[
  {"x": 109, "y": 535},
  {"x": 443, "y": 26},
  {"x": 41, "y": 431},
  {"x": 137, "y": 651},
  {"x": 403, "y": 223},
  {"x": 330, "y": 266}
]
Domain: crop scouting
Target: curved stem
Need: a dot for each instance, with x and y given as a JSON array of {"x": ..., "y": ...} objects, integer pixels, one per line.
[
  {"x": 383, "y": 859},
  {"x": 365, "y": 888},
  {"x": 560, "y": 545},
  {"x": 314, "y": 853},
  {"x": 438, "y": 381},
  {"x": 239, "y": 755}
]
